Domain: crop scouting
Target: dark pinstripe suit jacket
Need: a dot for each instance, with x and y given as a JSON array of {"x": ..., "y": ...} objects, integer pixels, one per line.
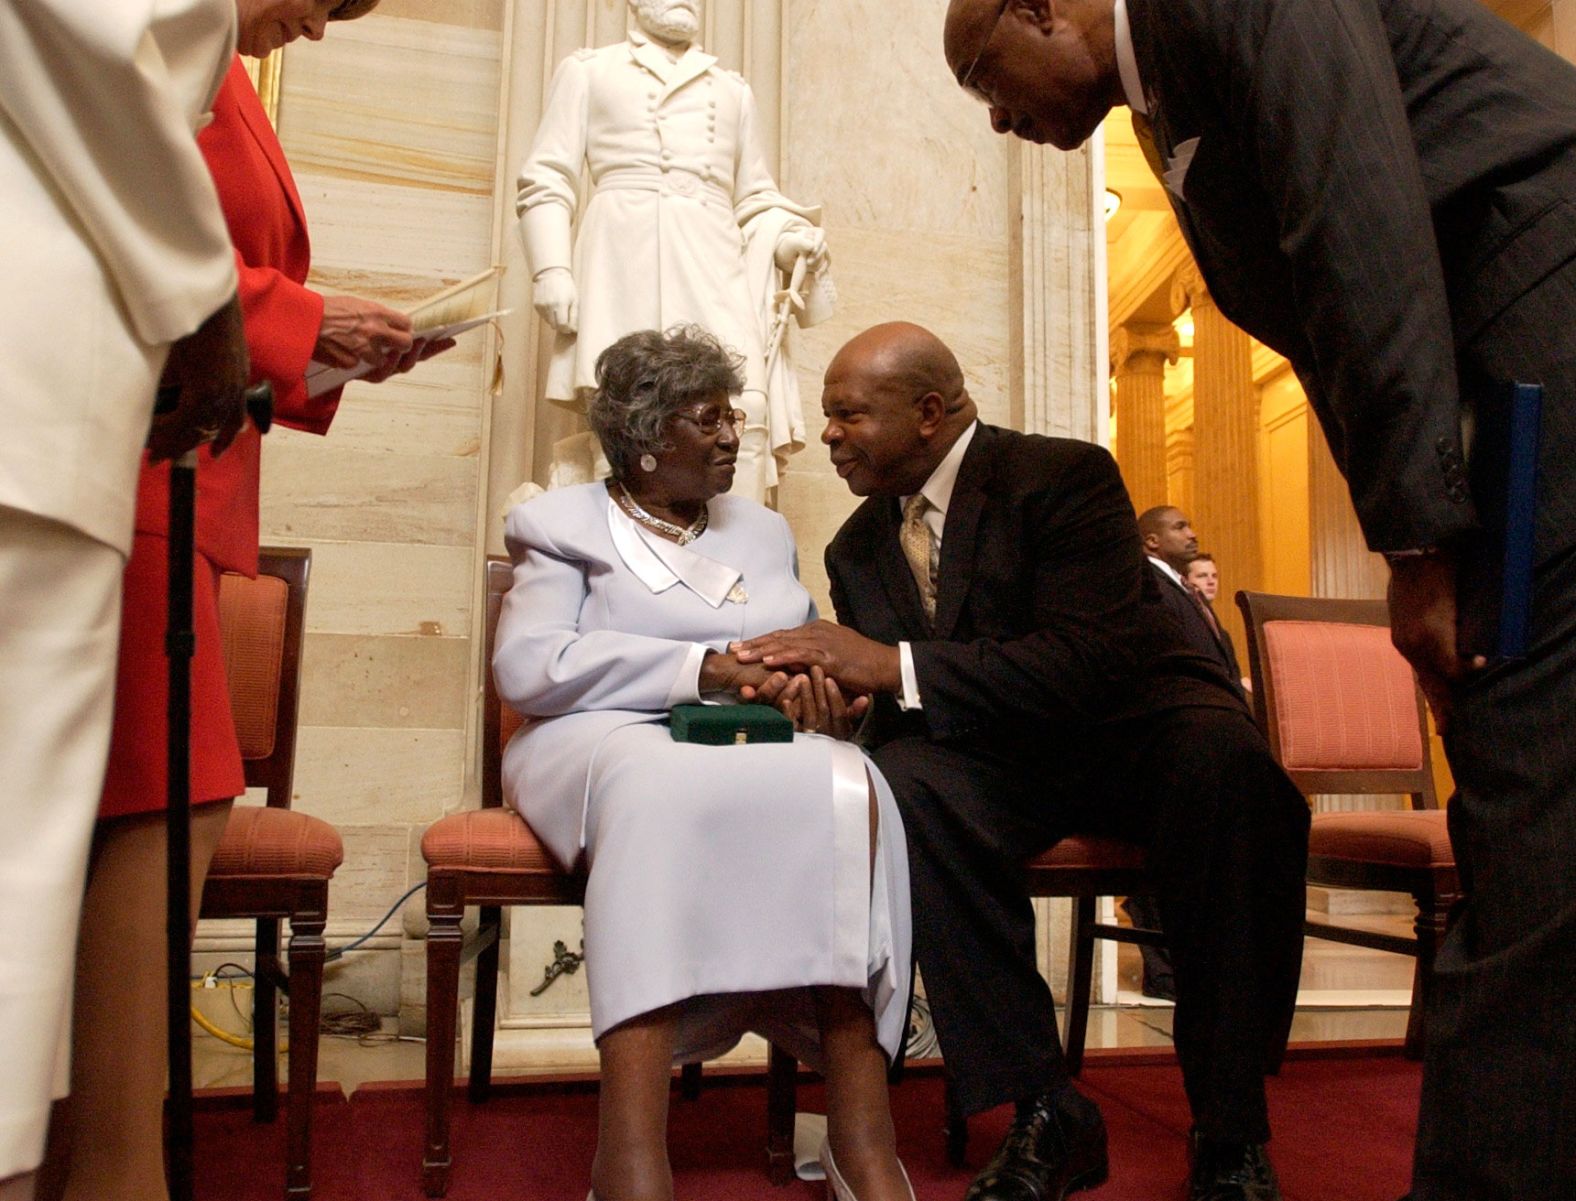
[
  {"x": 1213, "y": 642},
  {"x": 1385, "y": 192}
]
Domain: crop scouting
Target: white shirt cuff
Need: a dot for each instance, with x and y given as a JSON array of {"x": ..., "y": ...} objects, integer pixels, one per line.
[
  {"x": 909, "y": 697},
  {"x": 686, "y": 687}
]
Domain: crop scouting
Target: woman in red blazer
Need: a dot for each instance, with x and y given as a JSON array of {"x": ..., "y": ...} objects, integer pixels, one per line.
[{"x": 118, "y": 1082}]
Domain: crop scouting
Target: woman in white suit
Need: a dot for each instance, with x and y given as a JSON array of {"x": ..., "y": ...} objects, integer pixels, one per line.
[{"x": 760, "y": 887}]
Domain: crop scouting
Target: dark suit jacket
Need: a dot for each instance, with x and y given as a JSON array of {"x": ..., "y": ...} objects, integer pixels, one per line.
[
  {"x": 1048, "y": 619},
  {"x": 1213, "y": 642},
  {"x": 1378, "y": 191}
]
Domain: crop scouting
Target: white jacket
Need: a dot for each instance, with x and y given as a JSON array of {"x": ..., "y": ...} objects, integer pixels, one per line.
[{"x": 112, "y": 245}]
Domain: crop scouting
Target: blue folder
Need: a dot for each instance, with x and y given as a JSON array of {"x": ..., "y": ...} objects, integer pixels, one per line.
[{"x": 1495, "y": 584}]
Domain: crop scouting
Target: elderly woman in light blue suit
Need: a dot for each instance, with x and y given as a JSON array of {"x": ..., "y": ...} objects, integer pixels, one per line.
[{"x": 760, "y": 887}]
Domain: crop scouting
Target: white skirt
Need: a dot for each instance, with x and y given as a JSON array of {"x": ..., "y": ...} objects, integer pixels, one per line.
[{"x": 733, "y": 879}]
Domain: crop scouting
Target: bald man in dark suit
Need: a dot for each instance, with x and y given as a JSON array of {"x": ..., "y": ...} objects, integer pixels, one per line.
[
  {"x": 1030, "y": 684},
  {"x": 1381, "y": 190}
]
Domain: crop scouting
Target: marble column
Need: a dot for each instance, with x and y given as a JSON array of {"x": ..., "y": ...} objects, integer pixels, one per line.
[
  {"x": 1342, "y": 565},
  {"x": 1058, "y": 382},
  {"x": 1179, "y": 468},
  {"x": 1225, "y": 508},
  {"x": 1139, "y": 354},
  {"x": 1058, "y": 354},
  {"x": 1563, "y": 17}
]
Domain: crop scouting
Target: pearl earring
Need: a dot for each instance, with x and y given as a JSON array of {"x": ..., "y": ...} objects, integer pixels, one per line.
[{"x": 648, "y": 463}]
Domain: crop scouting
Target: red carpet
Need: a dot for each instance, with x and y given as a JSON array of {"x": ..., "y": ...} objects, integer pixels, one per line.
[{"x": 1343, "y": 1133}]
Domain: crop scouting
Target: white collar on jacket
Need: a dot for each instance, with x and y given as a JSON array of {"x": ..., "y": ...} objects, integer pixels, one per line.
[{"x": 659, "y": 564}]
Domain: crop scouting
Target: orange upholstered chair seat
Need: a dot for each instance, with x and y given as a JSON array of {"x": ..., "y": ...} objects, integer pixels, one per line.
[
  {"x": 485, "y": 840},
  {"x": 1404, "y": 838},
  {"x": 272, "y": 843},
  {"x": 1080, "y": 850}
]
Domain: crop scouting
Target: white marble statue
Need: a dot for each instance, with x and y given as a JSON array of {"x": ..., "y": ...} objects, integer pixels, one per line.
[{"x": 684, "y": 224}]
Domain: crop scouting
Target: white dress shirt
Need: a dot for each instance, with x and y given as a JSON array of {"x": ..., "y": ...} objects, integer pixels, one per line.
[
  {"x": 1127, "y": 62},
  {"x": 938, "y": 491},
  {"x": 1176, "y": 576}
]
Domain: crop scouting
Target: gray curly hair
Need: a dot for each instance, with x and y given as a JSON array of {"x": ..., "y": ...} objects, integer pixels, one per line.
[{"x": 647, "y": 376}]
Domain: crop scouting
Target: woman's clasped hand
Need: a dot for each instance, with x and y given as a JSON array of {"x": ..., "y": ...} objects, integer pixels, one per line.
[{"x": 817, "y": 705}]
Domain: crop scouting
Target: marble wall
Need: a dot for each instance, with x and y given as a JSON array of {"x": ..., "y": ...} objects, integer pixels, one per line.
[{"x": 915, "y": 190}]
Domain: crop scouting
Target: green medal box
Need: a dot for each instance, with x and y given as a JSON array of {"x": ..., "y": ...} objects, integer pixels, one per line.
[{"x": 729, "y": 725}]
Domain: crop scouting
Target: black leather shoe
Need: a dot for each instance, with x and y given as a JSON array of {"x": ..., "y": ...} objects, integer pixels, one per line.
[
  {"x": 1160, "y": 987},
  {"x": 1230, "y": 1172},
  {"x": 1055, "y": 1147}
]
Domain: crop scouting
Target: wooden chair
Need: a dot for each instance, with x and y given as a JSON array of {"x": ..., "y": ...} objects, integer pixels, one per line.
[
  {"x": 1343, "y": 714},
  {"x": 487, "y": 857},
  {"x": 273, "y": 863}
]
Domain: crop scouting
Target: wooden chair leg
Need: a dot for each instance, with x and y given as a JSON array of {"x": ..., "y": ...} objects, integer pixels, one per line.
[
  {"x": 265, "y": 1022},
  {"x": 957, "y": 1127},
  {"x": 1080, "y": 976},
  {"x": 484, "y": 1011},
  {"x": 1433, "y": 914},
  {"x": 782, "y": 1087},
  {"x": 689, "y": 1082},
  {"x": 307, "y": 955},
  {"x": 445, "y": 908}
]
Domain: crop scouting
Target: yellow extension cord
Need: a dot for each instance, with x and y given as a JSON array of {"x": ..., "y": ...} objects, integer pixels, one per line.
[{"x": 223, "y": 1035}]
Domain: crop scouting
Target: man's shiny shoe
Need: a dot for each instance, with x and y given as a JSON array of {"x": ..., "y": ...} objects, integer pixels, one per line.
[
  {"x": 1055, "y": 1147},
  {"x": 1229, "y": 1171}
]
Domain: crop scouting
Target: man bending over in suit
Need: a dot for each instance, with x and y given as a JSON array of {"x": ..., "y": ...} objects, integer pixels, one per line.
[
  {"x": 1381, "y": 192},
  {"x": 1030, "y": 684}
]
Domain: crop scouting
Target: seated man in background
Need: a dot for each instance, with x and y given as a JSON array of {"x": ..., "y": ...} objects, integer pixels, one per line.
[
  {"x": 1203, "y": 576},
  {"x": 1029, "y": 684},
  {"x": 1171, "y": 546}
]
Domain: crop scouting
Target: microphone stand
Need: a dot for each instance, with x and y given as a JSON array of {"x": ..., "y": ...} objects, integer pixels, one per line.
[{"x": 179, "y": 644}]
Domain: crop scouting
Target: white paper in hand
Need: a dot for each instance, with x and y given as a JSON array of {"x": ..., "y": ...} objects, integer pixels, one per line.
[{"x": 444, "y": 314}]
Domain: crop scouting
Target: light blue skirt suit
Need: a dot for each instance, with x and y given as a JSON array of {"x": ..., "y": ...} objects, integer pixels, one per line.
[{"x": 726, "y": 878}]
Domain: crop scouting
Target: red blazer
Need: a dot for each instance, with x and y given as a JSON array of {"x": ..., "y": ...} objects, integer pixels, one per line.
[{"x": 272, "y": 254}]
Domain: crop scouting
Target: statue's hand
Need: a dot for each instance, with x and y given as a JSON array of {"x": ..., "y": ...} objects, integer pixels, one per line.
[
  {"x": 554, "y": 295},
  {"x": 809, "y": 242}
]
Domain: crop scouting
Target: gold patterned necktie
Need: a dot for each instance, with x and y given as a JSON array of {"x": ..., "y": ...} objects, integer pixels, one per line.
[{"x": 918, "y": 549}]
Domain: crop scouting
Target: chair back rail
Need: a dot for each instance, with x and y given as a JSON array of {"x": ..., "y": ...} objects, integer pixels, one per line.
[
  {"x": 499, "y": 722},
  {"x": 1360, "y": 727}
]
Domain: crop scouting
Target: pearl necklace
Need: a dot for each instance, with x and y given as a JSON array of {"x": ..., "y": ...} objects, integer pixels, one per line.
[{"x": 685, "y": 535}]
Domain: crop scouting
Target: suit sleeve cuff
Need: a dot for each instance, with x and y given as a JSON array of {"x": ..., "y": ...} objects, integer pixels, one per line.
[
  {"x": 686, "y": 686},
  {"x": 909, "y": 697}
]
